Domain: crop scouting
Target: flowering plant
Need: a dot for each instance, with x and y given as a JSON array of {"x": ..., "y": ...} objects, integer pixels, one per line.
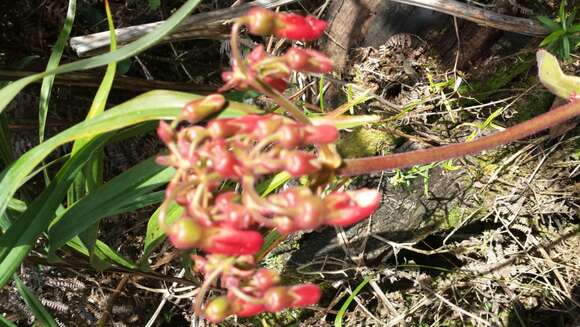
[{"x": 224, "y": 224}]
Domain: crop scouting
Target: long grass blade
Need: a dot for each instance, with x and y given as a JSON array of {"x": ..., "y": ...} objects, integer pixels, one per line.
[
  {"x": 346, "y": 304},
  {"x": 53, "y": 61},
  {"x": 93, "y": 173},
  {"x": 9, "y": 92},
  {"x": 22, "y": 234}
]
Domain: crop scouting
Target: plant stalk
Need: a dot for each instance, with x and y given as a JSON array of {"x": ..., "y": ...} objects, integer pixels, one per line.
[{"x": 544, "y": 121}]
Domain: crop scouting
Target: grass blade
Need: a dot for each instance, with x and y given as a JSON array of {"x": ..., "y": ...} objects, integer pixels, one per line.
[
  {"x": 53, "y": 61},
  {"x": 346, "y": 304},
  {"x": 93, "y": 173},
  {"x": 137, "y": 181},
  {"x": 39, "y": 311},
  {"x": 9, "y": 92},
  {"x": 6, "y": 323},
  {"x": 21, "y": 236}
]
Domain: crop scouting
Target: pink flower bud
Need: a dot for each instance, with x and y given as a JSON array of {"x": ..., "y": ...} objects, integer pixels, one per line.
[
  {"x": 277, "y": 299},
  {"x": 229, "y": 241},
  {"x": 258, "y": 53},
  {"x": 300, "y": 163},
  {"x": 267, "y": 126},
  {"x": 290, "y": 136},
  {"x": 165, "y": 132},
  {"x": 199, "y": 109},
  {"x": 296, "y": 27},
  {"x": 264, "y": 278},
  {"x": 217, "y": 309},
  {"x": 304, "y": 295},
  {"x": 311, "y": 212},
  {"x": 227, "y": 165},
  {"x": 307, "y": 60},
  {"x": 222, "y": 128},
  {"x": 185, "y": 233},
  {"x": 347, "y": 208},
  {"x": 320, "y": 134}
]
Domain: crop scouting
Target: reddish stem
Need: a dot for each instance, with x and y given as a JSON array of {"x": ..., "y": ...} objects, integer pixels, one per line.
[{"x": 549, "y": 119}]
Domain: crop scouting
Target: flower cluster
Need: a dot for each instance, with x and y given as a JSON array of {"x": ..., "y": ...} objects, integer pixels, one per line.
[
  {"x": 274, "y": 71},
  {"x": 225, "y": 224},
  {"x": 251, "y": 290}
]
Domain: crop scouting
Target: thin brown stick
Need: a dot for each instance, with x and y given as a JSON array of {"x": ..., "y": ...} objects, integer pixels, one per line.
[
  {"x": 482, "y": 16},
  {"x": 401, "y": 160},
  {"x": 195, "y": 26}
]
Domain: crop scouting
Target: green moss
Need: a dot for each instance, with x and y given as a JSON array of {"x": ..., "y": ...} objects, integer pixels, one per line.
[
  {"x": 364, "y": 142},
  {"x": 497, "y": 80}
]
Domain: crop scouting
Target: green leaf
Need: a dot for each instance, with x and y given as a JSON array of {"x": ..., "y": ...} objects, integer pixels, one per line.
[
  {"x": 566, "y": 47},
  {"x": 100, "y": 203},
  {"x": 21, "y": 236},
  {"x": 553, "y": 78},
  {"x": 574, "y": 29},
  {"x": 550, "y": 24},
  {"x": 346, "y": 121},
  {"x": 41, "y": 314},
  {"x": 9, "y": 92},
  {"x": 5, "y": 322},
  {"x": 346, "y": 304},
  {"x": 53, "y": 61},
  {"x": 93, "y": 173},
  {"x": 155, "y": 234},
  {"x": 103, "y": 251},
  {"x": 553, "y": 37}
]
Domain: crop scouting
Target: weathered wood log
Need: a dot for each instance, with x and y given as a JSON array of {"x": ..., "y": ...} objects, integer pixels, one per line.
[
  {"x": 482, "y": 16},
  {"x": 199, "y": 26}
]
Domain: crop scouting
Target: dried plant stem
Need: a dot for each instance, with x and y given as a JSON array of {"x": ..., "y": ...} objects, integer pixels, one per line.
[{"x": 401, "y": 160}]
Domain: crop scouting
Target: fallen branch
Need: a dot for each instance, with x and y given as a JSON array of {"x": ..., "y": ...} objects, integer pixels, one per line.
[
  {"x": 481, "y": 16},
  {"x": 121, "y": 82},
  {"x": 198, "y": 26}
]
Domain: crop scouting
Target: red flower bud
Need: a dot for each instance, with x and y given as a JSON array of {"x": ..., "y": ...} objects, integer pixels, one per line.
[
  {"x": 306, "y": 60},
  {"x": 197, "y": 110},
  {"x": 296, "y": 27},
  {"x": 277, "y": 299},
  {"x": 246, "y": 309},
  {"x": 165, "y": 132},
  {"x": 304, "y": 295},
  {"x": 321, "y": 134},
  {"x": 347, "y": 208},
  {"x": 278, "y": 83},
  {"x": 300, "y": 163},
  {"x": 185, "y": 233},
  {"x": 229, "y": 241},
  {"x": 217, "y": 309}
]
